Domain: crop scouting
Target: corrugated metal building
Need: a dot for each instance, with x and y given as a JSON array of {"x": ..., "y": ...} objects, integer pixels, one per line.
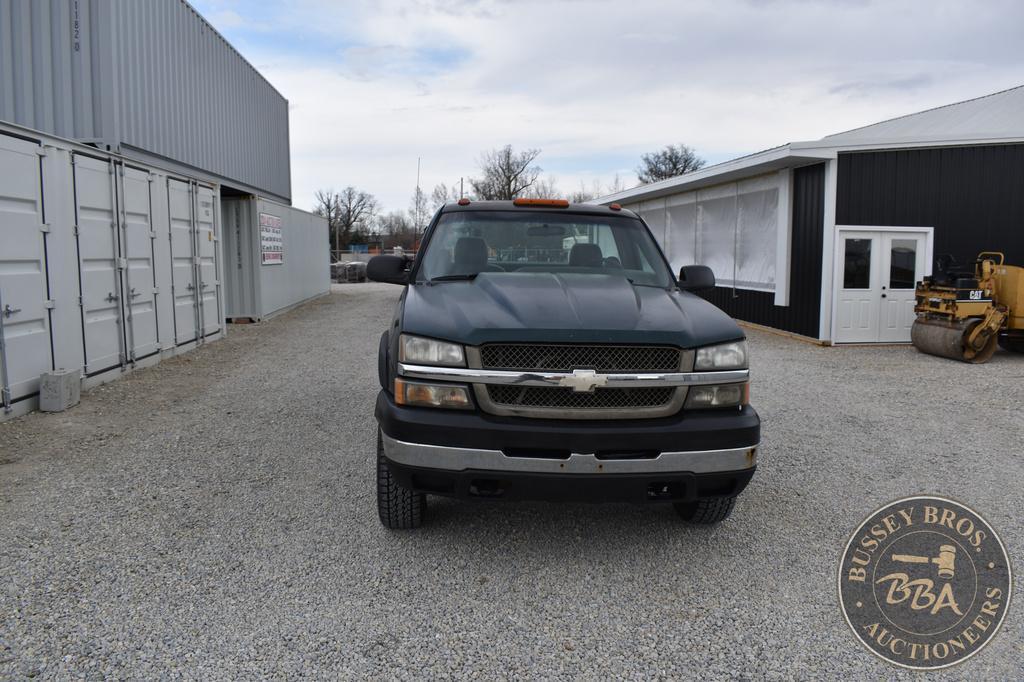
[
  {"x": 826, "y": 239},
  {"x": 127, "y": 130},
  {"x": 150, "y": 80}
]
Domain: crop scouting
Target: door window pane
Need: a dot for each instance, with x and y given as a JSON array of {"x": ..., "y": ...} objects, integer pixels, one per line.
[
  {"x": 857, "y": 270},
  {"x": 902, "y": 264}
]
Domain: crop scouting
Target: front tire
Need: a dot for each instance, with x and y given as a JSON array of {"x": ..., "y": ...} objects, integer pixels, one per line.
[
  {"x": 707, "y": 511},
  {"x": 399, "y": 508}
]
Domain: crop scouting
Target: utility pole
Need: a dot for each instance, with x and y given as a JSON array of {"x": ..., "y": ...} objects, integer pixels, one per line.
[
  {"x": 333, "y": 218},
  {"x": 416, "y": 231},
  {"x": 462, "y": 189}
]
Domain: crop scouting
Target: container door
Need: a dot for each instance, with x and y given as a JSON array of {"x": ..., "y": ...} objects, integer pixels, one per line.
[
  {"x": 209, "y": 280},
  {"x": 139, "y": 281},
  {"x": 859, "y": 287},
  {"x": 902, "y": 260},
  {"x": 183, "y": 258},
  {"x": 98, "y": 263},
  {"x": 26, "y": 351}
]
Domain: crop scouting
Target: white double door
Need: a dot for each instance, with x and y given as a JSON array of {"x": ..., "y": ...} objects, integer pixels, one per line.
[
  {"x": 877, "y": 270},
  {"x": 114, "y": 228}
]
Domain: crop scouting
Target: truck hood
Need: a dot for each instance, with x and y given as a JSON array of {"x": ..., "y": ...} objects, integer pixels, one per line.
[{"x": 562, "y": 307}]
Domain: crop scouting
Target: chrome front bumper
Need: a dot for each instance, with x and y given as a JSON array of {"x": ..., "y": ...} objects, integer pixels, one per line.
[{"x": 460, "y": 459}]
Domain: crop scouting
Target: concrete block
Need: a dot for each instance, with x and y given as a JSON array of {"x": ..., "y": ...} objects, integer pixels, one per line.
[{"x": 60, "y": 390}]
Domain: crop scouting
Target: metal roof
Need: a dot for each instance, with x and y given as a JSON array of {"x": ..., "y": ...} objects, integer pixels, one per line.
[
  {"x": 995, "y": 118},
  {"x": 766, "y": 161},
  {"x": 991, "y": 117}
]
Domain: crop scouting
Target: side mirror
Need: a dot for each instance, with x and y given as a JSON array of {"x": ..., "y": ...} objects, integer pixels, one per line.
[
  {"x": 696, "y": 278},
  {"x": 390, "y": 269}
]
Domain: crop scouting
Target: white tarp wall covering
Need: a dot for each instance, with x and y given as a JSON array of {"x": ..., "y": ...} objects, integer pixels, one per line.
[
  {"x": 105, "y": 264},
  {"x": 737, "y": 229}
]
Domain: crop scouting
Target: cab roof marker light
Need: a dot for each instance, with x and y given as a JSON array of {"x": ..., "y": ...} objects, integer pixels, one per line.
[
  {"x": 615, "y": 207},
  {"x": 463, "y": 201},
  {"x": 553, "y": 203}
]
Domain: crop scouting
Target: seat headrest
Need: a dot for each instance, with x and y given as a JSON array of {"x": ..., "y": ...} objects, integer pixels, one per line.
[
  {"x": 470, "y": 254},
  {"x": 586, "y": 256}
]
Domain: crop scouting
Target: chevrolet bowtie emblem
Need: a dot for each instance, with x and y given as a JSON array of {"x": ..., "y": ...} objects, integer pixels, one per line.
[{"x": 583, "y": 380}]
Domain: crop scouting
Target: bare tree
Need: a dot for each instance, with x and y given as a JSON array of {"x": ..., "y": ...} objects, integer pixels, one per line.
[
  {"x": 349, "y": 214},
  {"x": 357, "y": 212},
  {"x": 443, "y": 194},
  {"x": 668, "y": 163},
  {"x": 584, "y": 195},
  {"x": 419, "y": 213},
  {"x": 328, "y": 206},
  {"x": 617, "y": 185},
  {"x": 506, "y": 174},
  {"x": 396, "y": 229},
  {"x": 542, "y": 188}
]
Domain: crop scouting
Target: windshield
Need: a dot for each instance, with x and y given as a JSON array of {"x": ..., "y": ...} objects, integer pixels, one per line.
[{"x": 467, "y": 243}]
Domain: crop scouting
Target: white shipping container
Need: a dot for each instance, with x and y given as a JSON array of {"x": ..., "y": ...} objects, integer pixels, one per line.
[
  {"x": 105, "y": 264},
  {"x": 149, "y": 79},
  {"x": 277, "y": 257}
]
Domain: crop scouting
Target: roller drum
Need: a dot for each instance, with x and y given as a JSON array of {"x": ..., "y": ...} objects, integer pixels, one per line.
[{"x": 949, "y": 340}]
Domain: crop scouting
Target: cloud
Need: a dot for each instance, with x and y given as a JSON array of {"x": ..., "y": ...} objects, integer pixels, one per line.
[
  {"x": 868, "y": 88},
  {"x": 226, "y": 18},
  {"x": 376, "y": 85}
]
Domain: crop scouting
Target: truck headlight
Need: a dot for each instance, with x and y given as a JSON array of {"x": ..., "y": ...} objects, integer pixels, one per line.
[
  {"x": 419, "y": 350},
  {"x": 723, "y": 356},
  {"x": 728, "y": 395},
  {"x": 419, "y": 394}
]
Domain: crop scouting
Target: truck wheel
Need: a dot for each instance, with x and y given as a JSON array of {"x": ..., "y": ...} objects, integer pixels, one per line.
[
  {"x": 399, "y": 508},
  {"x": 1014, "y": 344},
  {"x": 706, "y": 511}
]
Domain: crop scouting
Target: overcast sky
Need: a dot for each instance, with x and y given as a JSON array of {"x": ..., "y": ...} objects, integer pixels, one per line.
[{"x": 374, "y": 85}]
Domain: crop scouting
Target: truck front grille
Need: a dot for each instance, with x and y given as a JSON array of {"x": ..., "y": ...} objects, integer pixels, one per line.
[
  {"x": 557, "y": 402},
  {"x": 565, "y": 358},
  {"x": 566, "y": 398}
]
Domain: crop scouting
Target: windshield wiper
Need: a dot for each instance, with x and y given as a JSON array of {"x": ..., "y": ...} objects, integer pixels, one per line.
[
  {"x": 641, "y": 284},
  {"x": 454, "y": 278}
]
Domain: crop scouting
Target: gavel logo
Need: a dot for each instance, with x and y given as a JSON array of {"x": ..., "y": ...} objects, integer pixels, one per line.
[
  {"x": 918, "y": 593},
  {"x": 924, "y": 582},
  {"x": 946, "y": 560}
]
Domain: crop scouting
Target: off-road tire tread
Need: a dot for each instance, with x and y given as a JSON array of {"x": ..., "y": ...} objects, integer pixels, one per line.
[
  {"x": 706, "y": 511},
  {"x": 399, "y": 508}
]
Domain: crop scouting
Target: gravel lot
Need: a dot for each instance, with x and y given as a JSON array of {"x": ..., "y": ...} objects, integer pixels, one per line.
[{"x": 214, "y": 516}]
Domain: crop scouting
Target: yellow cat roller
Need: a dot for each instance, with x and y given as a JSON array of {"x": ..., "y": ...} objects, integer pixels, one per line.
[{"x": 964, "y": 315}]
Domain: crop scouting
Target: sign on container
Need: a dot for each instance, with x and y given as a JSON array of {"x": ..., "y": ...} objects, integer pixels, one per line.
[{"x": 271, "y": 244}]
